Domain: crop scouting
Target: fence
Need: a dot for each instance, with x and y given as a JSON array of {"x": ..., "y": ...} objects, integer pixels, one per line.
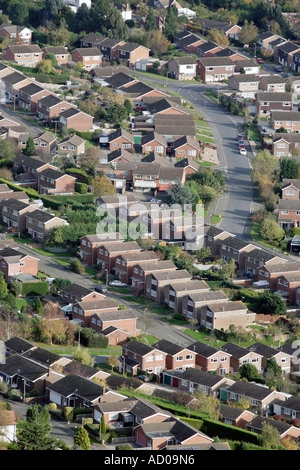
[{"x": 117, "y": 440}]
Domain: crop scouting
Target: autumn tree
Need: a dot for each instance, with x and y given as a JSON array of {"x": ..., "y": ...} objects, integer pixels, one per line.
[
  {"x": 207, "y": 404},
  {"x": 217, "y": 37},
  {"x": 103, "y": 186},
  {"x": 269, "y": 437},
  {"x": 53, "y": 327},
  {"x": 83, "y": 356},
  {"x": 249, "y": 33},
  {"x": 45, "y": 66}
]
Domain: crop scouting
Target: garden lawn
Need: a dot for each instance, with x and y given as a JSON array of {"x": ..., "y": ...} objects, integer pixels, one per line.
[{"x": 256, "y": 236}]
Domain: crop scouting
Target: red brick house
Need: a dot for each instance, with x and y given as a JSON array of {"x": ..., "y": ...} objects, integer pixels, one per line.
[
  {"x": 240, "y": 356},
  {"x": 73, "y": 118},
  {"x": 60, "y": 52},
  {"x": 27, "y": 55},
  {"x": 214, "y": 69},
  {"x": 120, "y": 139},
  {"x": 271, "y": 272},
  {"x": 124, "y": 263},
  {"x": 177, "y": 357},
  {"x": 174, "y": 292},
  {"x": 118, "y": 325},
  {"x": 90, "y": 57},
  {"x": 13, "y": 214},
  {"x": 268, "y": 102},
  {"x": 74, "y": 293},
  {"x": 288, "y": 119},
  {"x": 20, "y": 34},
  {"x": 187, "y": 147},
  {"x": 39, "y": 224},
  {"x": 88, "y": 247},
  {"x": 139, "y": 356},
  {"x": 45, "y": 143},
  {"x": 51, "y": 106},
  {"x": 107, "y": 252},
  {"x": 155, "y": 283},
  {"x": 83, "y": 311},
  {"x": 13, "y": 263},
  {"x": 142, "y": 269},
  {"x": 52, "y": 181},
  {"x": 129, "y": 53},
  {"x": 287, "y": 285},
  {"x": 210, "y": 359},
  {"x": 288, "y": 213},
  {"x": 30, "y": 94}
]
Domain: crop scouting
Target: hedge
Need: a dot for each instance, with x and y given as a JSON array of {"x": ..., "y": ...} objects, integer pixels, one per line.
[
  {"x": 34, "y": 288},
  {"x": 75, "y": 199},
  {"x": 86, "y": 135},
  {"x": 32, "y": 193},
  {"x": 81, "y": 175},
  {"x": 226, "y": 431},
  {"x": 81, "y": 188}
]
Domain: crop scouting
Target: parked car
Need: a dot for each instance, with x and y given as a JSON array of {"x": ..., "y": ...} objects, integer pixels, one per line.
[
  {"x": 117, "y": 283},
  {"x": 243, "y": 151},
  {"x": 169, "y": 150},
  {"x": 240, "y": 137},
  {"x": 259, "y": 61},
  {"x": 100, "y": 289},
  {"x": 278, "y": 69},
  {"x": 241, "y": 145},
  {"x": 144, "y": 378}
]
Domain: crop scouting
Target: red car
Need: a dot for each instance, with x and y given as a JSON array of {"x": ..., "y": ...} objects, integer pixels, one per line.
[{"x": 259, "y": 61}]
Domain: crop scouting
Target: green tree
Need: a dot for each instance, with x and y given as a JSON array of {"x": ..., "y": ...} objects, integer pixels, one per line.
[
  {"x": 116, "y": 114},
  {"x": 50, "y": 56},
  {"x": 103, "y": 186},
  {"x": 45, "y": 66},
  {"x": 269, "y": 437},
  {"x": 7, "y": 150},
  {"x": 178, "y": 194},
  {"x": 289, "y": 168},
  {"x": 82, "y": 440},
  {"x": 249, "y": 372},
  {"x": 83, "y": 356},
  {"x": 34, "y": 432},
  {"x": 150, "y": 22},
  {"x": 171, "y": 23},
  {"x": 52, "y": 10},
  {"x": 103, "y": 425},
  {"x": 18, "y": 13},
  {"x": 271, "y": 231},
  {"x": 128, "y": 106},
  {"x": 272, "y": 304},
  {"x": 3, "y": 287},
  {"x": 16, "y": 287},
  {"x": 265, "y": 167},
  {"x": 30, "y": 147},
  {"x": 249, "y": 33},
  {"x": 76, "y": 266},
  {"x": 228, "y": 269}
]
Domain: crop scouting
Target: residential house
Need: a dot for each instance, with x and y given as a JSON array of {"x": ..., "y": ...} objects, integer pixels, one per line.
[
  {"x": 234, "y": 416},
  {"x": 17, "y": 345},
  {"x": 73, "y": 118},
  {"x": 90, "y": 57},
  {"x": 189, "y": 43},
  {"x": 12, "y": 83},
  {"x": 158, "y": 105},
  {"x": 248, "y": 66},
  {"x": 220, "y": 316},
  {"x": 73, "y": 145},
  {"x": 188, "y": 148},
  {"x": 124, "y": 263},
  {"x": 260, "y": 396},
  {"x": 284, "y": 53},
  {"x": 119, "y": 155},
  {"x": 287, "y": 286},
  {"x": 52, "y": 181},
  {"x": 295, "y": 64},
  {"x": 264, "y": 39},
  {"x": 51, "y": 106},
  {"x": 257, "y": 259},
  {"x": 267, "y": 352},
  {"x": 233, "y": 54},
  {"x": 77, "y": 392},
  {"x": 108, "y": 48},
  {"x": 141, "y": 269},
  {"x": 155, "y": 282},
  {"x": 236, "y": 249},
  {"x": 114, "y": 204},
  {"x": 89, "y": 245},
  {"x": 288, "y": 120},
  {"x": 190, "y": 165},
  {"x": 60, "y": 52},
  {"x": 120, "y": 138},
  {"x": 289, "y": 409},
  {"x": 273, "y": 45},
  {"x": 178, "y": 127},
  {"x": 285, "y": 430},
  {"x": 74, "y": 293},
  {"x": 240, "y": 356},
  {"x": 108, "y": 251},
  {"x": 270, "y": 102},
  {"x": 191, "y": 303},
  {"x": 214, "y": 69},
  {"x": 129, "y": 53},
  {"x": 272, "y": 271},
  {"x": 207, "y": 49},
  {"x": 291, "y": 350},
  {"x": 153, "y": 142},
  {"x": 272, "y": 83},
  {"x": 246, "y": 85},
  {"x": 213, "y": 239},
  {"x": 120, "y": 79},
  {"x": 45, "y": 143},
  {"x": 174, "y": 292},
  {"x": 285, "y": 144},
  {"x": 39, "y": 224},
  {"x": 28, "y": 167},
  {"x": 21, "y": 34},
  {"x": 91, "y": 40},
  {"x": 182, "y": 68},
  {"x": 288, "y": 213},
  {"x": 118, "y": 326},
  {"x": 82, "y": 312},
  {"x": 177, "y": 357},
  {"x": 29, "y": 95},
  {"x": 13, "y": 214},
  {"x": 14, "y": 264},
  {"x": 139, "y": 356},
  {"x": 27, "y": 55},
  {"x": 210, "y": 359},
  {"x": 24, "y": 374},
  {"x": 230, "y": 30},
  {"x": 196, "y": 380}
]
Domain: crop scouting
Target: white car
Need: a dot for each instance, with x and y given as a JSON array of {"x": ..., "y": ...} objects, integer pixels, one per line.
[
  {"x": 243, "y": 151},
  {"x": 117, "y": 283}
]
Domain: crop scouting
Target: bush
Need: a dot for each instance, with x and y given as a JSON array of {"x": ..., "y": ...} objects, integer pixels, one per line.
[
  {"x": 52, "y": 406},
  {"x": 81, "y": 188},
  {"x": 68, "y": 413},
  {"x": 76, "y": 266}
]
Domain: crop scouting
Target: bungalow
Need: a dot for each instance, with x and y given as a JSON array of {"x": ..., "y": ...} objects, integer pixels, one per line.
[
  {"x": 52, "y": 181},
  {"x": 179, "y": 126},
  {"x": 230, "y": 30},
  {"x": 39, "y": 224},
  {"x": 89, "y": 57},
  {"x": 73, "y": 118},
  {"x": 195, "y": 380},
  {"x": 17, "y": 345},
  {"x": 78, "y": 392},
  {"x": 234, "y": 416},
  {"x": 24, "y": 374},
  {"x": 290, "y": 408},
  {"x": 284, "y": 429},
  {"x": 27, "y": 55},
  {"x": 182, "y": 68},
  {"x": 74, "y": 293}
]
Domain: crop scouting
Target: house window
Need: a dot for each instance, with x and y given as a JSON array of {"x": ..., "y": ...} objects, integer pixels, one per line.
[{"x": 179, "y": 358}]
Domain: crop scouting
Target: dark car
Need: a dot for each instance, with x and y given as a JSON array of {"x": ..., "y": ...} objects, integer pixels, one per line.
[
  {"x": 100, "y": 289},
  {"x": 144, "y": 378},
  {"x": 169, "y": 150},
  {"x": 278, "y": 69}
]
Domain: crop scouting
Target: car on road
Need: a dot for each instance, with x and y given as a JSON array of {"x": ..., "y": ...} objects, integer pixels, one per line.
[
  {"x": 260, "y": 61},
  {"x": 240, "y": 137},
  {"x": 169, "y": 150},
  {"x": 241, "y": 145},
  {"x": 278, "y": 69},
  {"x": 117, "y": 283},
  {"x": 100, "y": 289},
  {"x": 243, "y": 151},
  {"x": 144, "y": 378}
]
